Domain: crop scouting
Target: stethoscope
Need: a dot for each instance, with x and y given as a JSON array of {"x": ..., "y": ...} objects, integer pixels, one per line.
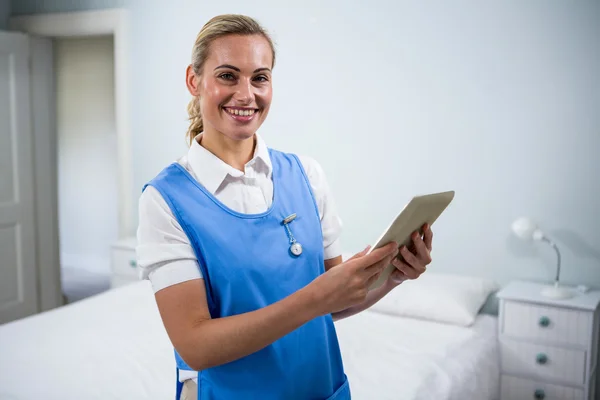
[{"x": 295, "y": 247}]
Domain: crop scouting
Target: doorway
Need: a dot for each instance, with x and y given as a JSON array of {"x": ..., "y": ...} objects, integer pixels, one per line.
[
  {"x": 73, "y": 202},
  {"x": 86, "y": 162}
]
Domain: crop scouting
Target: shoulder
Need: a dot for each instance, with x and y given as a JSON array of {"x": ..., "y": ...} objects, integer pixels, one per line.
[
  {"x": 166, "y": 174},
  {"x": 317, "y": 179},
  {"x": 164, "y": 253},
  {"x": 152, "y": 204},
  {"x": 152, "y": 200},
  {"x": 331, "y": 223},
  {"x": 168, "y": 184},
  {"x": 313, "y": 169}
]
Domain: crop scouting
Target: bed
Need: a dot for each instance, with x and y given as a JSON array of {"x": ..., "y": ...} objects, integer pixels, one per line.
[
  {"x": 404, "y": 358},
  {"x": 113, "y": 346}
]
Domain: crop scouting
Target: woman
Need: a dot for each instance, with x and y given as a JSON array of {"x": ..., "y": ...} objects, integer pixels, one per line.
[{"x": 241, "y": 244}]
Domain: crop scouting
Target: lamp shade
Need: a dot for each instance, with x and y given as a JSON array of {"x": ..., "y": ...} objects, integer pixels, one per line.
[{"x": 526, "y": 229}]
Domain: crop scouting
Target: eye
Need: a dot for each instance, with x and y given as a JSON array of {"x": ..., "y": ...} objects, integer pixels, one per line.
[
  {"x": 228, "y": 76},
  {"x": 261, "y": 78}
]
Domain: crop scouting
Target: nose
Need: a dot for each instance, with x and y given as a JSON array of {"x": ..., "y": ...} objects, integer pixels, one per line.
[{"x": 244, "y": 93}]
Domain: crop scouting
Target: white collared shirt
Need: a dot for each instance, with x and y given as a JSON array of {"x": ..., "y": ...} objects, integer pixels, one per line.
[{"x": 165, "y": 255}]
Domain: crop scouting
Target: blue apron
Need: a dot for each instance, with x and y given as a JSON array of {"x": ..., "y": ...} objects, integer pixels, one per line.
[{"x": 247, "y": 265}]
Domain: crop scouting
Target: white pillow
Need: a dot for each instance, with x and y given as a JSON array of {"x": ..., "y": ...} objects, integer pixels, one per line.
[{"x": 446, "y": 298}]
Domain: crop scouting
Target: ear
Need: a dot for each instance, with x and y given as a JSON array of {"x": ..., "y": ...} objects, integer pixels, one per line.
[{"x": 192, "y": 81}]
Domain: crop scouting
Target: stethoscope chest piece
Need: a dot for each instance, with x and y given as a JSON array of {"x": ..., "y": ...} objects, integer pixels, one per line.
[{"x": 295, "y": 247}]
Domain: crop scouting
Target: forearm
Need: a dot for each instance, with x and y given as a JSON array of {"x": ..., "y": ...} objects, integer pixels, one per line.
[
  {"x": 372, "y": 297},
  {"x": 221, "y": 340}
]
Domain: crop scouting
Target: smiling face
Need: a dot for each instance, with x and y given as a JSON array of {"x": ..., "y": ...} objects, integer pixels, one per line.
[{"x": 234, "y": 87}]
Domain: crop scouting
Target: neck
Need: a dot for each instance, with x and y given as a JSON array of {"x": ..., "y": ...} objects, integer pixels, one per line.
[{"x": 233, "y": 152}]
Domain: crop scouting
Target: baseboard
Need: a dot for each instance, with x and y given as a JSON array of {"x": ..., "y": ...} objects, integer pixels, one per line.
[{"x": 88, "y": 263}]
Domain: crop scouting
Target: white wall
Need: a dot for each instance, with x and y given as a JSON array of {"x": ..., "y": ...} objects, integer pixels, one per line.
[
  {"x": 496, "y": 100},
  {"x": 87, "y": 172},
  {"x": 499, "y": 101}
]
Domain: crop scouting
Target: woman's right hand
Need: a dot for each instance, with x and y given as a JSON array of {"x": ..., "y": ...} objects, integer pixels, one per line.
[{"x": 347, "y": 284}]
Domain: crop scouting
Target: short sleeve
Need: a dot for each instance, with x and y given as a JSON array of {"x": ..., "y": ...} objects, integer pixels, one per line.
[
  {"x": 331, "y": 223},
  {"x": 164, "y": 253}
]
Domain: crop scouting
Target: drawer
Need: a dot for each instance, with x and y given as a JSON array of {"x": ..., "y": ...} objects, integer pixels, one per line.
[
  {"x": 547, "y": 324},
  {"x": 543, "y": 362},
  {"x": 512, "y": 388},
  {"x": 124, "y": 262}
]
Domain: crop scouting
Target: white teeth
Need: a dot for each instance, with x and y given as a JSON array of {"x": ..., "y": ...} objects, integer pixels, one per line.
[{"x": 244, "y": 113}]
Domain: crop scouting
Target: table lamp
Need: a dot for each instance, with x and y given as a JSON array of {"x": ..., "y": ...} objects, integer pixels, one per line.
[{"x": 526, "y": 229}]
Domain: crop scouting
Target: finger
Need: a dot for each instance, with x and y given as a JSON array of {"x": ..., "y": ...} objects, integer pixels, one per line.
[
  {"x": 407, "y": 270},
  {"x": 378, "y": 267},
  {"x": 380, "y": 253},
  {"x": 384, "y": 262},
  {"x": 376, "y": 270},
  {"x": 428, "y": 237},
  {"x": 410, "y": 258},
  {"x": 421, "y": 249}
]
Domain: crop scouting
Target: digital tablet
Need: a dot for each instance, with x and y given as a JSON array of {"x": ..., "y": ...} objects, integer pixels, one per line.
[{"x": 420, "y": 210}]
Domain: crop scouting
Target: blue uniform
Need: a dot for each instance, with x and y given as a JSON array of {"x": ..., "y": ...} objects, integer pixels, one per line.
[{"x": 247, "y": 265}]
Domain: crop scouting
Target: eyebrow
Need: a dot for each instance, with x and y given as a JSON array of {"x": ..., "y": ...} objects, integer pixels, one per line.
[{"x": 238, "y": 70}]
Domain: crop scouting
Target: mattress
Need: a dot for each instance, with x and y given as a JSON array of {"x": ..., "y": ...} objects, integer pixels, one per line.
[
  {"x": 391, "y": 357},
  {"x": 113, "y": 346},
  {"x": 109, "y": 346}
]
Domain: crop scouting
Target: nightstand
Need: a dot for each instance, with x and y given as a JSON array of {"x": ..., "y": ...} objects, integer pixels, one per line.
[
  {"x": 123, "y": 262},
  {"x": 548, "y": 348}
]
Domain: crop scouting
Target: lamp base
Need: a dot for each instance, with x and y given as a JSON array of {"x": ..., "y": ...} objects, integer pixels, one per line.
[{"x": 557, "y": 293}]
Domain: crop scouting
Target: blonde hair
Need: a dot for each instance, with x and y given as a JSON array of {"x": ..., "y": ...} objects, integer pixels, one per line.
[{"x": 219, "y": 26}]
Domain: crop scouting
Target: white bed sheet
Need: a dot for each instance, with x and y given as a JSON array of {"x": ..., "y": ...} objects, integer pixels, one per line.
[
  {"x": 110, "y": 346},
  {"x": 113, "y": 346},
  {"x": 391, "y": 357}
]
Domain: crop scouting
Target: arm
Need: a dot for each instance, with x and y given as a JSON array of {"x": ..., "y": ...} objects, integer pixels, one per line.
[
  {"x": 167, "y": 259},
  {"x": 203, "y": 342},
  {"x": 184, "y": 310}
]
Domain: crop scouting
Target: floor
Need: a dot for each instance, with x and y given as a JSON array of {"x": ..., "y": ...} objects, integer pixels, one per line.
[{"x": 77, "y": 284}]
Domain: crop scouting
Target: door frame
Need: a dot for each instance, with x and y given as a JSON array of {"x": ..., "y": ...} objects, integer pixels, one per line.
[{"x": 94, "y": 23}]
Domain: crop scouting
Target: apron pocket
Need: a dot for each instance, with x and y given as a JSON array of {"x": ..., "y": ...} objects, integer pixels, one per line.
[{"x": 343, "y": 392}]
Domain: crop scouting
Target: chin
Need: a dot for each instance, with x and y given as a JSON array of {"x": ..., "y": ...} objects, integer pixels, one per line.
[
  {"x": 238, "y": 131},
  {"x": 239, "y": 134}
]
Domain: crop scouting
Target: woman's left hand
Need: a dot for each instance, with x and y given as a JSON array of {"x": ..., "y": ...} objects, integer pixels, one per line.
[{"x": 411, "y": 263}]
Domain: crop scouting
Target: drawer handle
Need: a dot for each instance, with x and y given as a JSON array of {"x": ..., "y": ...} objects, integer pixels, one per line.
[
  {"x": 132, "y": 264},
  {"x": 541, "y": 358},
  {"x": 539, "y": 394},
  {"x": 544, "y": 321}
]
